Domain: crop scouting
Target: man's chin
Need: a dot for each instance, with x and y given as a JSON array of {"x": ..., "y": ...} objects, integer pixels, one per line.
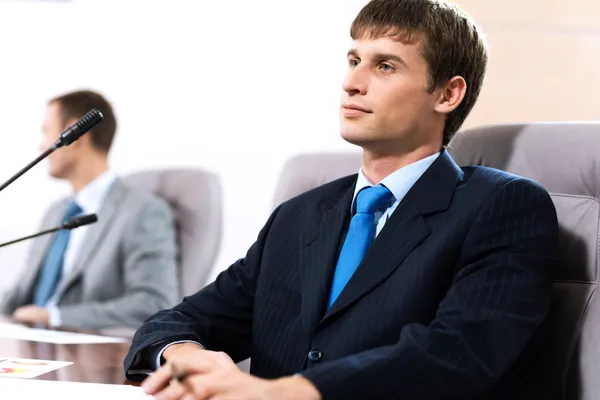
[
  {"x": 56, "y": 174},
  {"x": 356, "y": 138}
]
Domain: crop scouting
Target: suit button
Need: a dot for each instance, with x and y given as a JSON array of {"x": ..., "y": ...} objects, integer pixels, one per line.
[{"x": 315, "y": 355}]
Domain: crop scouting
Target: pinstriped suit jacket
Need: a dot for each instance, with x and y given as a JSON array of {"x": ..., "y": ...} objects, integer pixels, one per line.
[{"x": 447, "y": 303}]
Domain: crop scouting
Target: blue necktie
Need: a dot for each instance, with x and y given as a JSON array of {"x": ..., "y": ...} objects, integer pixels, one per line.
[
  {"x": 360, "y": 236},
  {"x": 51, "y": 271}
]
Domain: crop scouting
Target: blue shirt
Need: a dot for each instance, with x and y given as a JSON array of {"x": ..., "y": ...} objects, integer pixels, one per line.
[{"x": 399, "y": 183}]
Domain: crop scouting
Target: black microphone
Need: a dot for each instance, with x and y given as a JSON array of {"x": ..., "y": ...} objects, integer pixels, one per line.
[
  {"x": 69, "y": 224},
  {"x": 71, "y": 134},
  {"x": 77, "y": 130},
  {"x": 78, "y": 221}
]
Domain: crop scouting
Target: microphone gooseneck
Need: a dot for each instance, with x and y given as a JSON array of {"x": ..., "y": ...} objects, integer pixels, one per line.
[
  {"x": 71, "y": 134},
  {"x": 72, "y": 223}
]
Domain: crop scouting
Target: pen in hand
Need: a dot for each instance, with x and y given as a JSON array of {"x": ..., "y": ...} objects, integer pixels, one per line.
[{"x": 178, "y": 375}]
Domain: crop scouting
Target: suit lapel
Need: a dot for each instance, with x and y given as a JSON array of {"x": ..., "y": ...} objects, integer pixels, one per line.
[
  {"x": 319, "y": 249},
  {"x": 405, "y": 229},
  {"x": 96, "y": 233},
  {"x": 38, "y": 253}
]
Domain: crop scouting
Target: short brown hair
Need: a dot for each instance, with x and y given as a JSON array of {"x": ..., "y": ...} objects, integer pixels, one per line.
[
  {"x": 75, "y": 105},
  {"x": 452, "y": 44}
]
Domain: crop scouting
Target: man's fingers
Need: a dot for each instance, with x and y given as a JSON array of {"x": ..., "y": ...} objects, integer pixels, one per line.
[
  {"x": 19, "y": 312},
  {"x": 223, "y": 359},
  {"x": 189, "y": 365},
  {"x": 157, "y": 381},
  {"x": 194, "y": 365},
  {"x": 204, "y": 386},
  {"x": 221, "y": 397},
  {"x": 184, "y": 365},
  {"x": 175, "y": 391}
]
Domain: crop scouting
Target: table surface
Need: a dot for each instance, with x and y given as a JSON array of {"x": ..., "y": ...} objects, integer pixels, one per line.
[{"x": 93, "y": 363}]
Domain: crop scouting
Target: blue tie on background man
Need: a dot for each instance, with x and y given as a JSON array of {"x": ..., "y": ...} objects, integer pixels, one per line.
[
  {"x": 51, "y": 270},
  {"x": 360, "y": 236}
]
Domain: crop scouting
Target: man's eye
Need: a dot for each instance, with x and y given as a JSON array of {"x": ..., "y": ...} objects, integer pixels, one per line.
[{"x": 386, "y": 67}]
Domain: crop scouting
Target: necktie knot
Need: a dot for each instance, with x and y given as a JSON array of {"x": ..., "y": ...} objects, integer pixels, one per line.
[
  {"x": 72, "y": 210},
  {"x": 370, "y": 199}
]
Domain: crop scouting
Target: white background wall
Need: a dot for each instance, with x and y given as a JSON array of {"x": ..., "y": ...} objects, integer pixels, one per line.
[
  {"x": 239, "y": 86},
  {"x": 234, "y": 86}
]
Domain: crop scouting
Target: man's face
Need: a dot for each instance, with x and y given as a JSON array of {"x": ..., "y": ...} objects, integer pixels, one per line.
[
  {"x": 63, "y": 160},
  {"x": 385, "y": 98}
]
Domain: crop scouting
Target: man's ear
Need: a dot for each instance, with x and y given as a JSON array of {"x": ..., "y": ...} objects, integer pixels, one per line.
[{"x": 451, "y": 95}]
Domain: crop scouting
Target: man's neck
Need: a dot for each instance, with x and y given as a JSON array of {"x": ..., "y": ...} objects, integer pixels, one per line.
[
  {"x": 377, "y": 166},
  {"x": 84, "y": 176}
]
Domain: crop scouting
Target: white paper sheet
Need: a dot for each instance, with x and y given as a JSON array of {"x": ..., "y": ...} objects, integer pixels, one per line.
[
  {"x": 12, "y": 331},
  {"x": 27, "y": 368},
  {"x": 23, "y": 389}
]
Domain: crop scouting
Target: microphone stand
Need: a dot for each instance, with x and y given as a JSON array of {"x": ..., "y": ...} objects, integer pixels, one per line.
[
  {"x": 28, "y": 167},
  {"x": 31, "y": 236},
  {"x": 71, "y": 134},
  {"x": 70, "y": 224}
]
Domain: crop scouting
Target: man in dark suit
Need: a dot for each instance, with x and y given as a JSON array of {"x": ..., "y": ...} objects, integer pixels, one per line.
[{"x": 414, "y": 279}]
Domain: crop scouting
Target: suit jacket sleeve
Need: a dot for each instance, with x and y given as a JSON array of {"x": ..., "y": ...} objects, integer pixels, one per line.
[
  {"x": 8, "y": 302},
  {"x": 19, "y": 294},
  {"x": 499, "y": 297},
  {"x": 149, "y": 275},
  {"x": 218, "y": 316}
]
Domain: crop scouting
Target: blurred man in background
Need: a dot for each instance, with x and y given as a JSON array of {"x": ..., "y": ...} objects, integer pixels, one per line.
[{"x": 114, "y": 273}]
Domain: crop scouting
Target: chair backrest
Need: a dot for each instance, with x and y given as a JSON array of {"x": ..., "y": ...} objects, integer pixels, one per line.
[
  {"x": 195, "y": 199},
  {"x": 308, "y": 171},
  {"x": 565, "y": 159}
]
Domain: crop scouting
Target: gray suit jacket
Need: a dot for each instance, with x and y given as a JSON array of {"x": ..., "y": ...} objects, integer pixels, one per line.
[{"x": 125, "y": 271}]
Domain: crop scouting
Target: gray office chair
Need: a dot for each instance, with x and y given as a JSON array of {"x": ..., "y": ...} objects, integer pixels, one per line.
[
  {"x": 307, "y": 171},
  {"x": 195, "y": 198},
  {"x": 565, "y": 159}
]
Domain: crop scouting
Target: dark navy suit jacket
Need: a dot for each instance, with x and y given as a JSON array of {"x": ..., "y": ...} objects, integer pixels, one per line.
[{"x": 447, "y": 303}]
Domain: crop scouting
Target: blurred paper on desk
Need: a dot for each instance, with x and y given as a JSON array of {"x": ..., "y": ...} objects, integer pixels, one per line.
[
  {"x": 35, "y": 390},
  {"x": 20, "y": 332},
  {"x": 27, "y": 368}
]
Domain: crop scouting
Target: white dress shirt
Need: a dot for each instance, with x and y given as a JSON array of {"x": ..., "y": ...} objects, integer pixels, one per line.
[
  {"x": 90, "y": 200},
  {"x": 398, "y": 182}
]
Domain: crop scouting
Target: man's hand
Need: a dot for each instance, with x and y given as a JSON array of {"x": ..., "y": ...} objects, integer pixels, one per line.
[
  {"x": 214, "y": 376},
  {"x": 183, "y": 354},
  {"x": 32, "y": 314}
]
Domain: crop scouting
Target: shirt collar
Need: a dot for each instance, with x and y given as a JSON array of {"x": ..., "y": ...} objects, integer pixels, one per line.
[
  {"x": 398, "y": 182},
  {"x": 91, "y": 196}
]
